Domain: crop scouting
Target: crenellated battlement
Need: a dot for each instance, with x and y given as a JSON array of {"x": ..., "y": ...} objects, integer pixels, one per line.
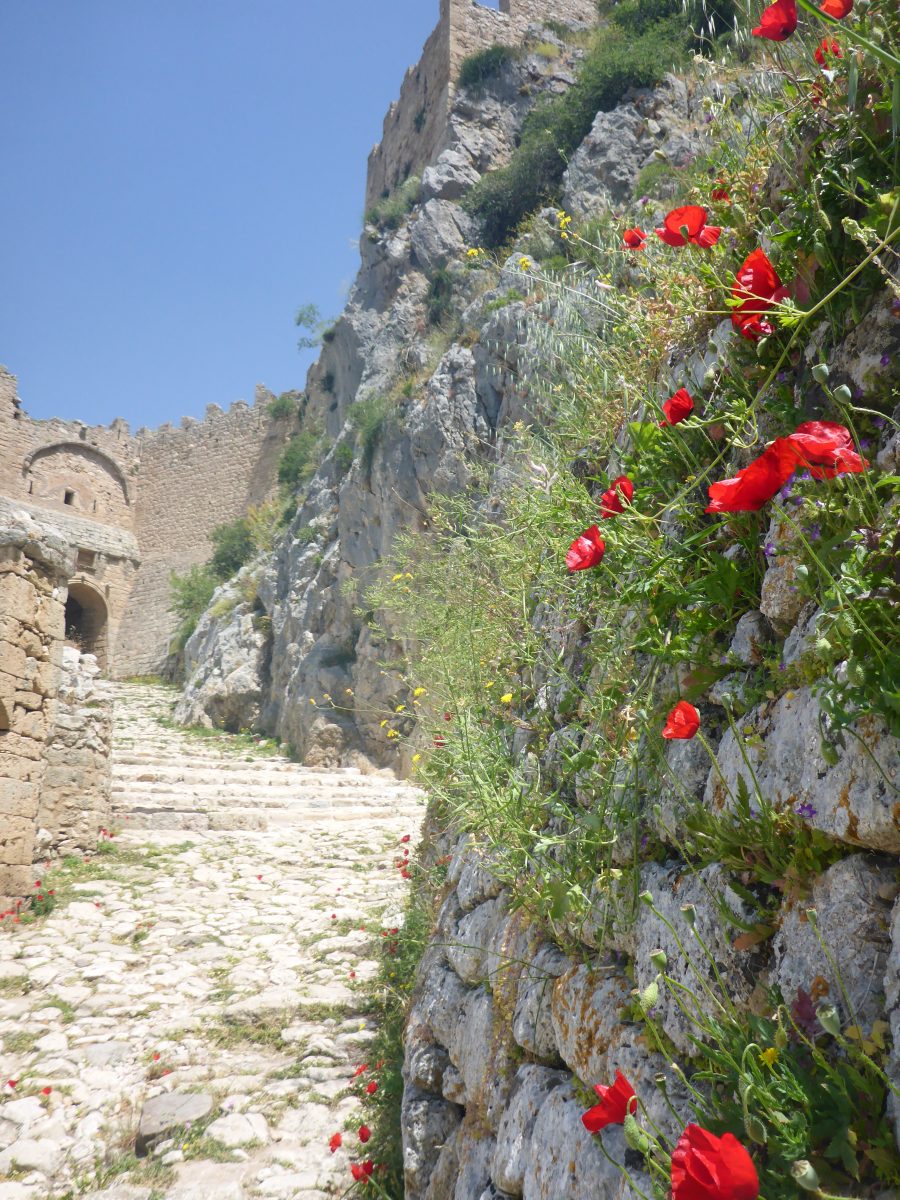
[
  {"x": 415, "y": 123},
  {"x": 137, "y": 506}
]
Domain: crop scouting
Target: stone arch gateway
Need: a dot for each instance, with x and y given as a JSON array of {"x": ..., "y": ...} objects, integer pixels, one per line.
[{"x": 87, "y": 619}]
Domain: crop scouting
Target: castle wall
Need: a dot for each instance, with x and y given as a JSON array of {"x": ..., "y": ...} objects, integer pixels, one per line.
[
  {"x": 416, "y": 122},
  {"x": 135, "y": 508},
  {"x": 192, "y": 478}
]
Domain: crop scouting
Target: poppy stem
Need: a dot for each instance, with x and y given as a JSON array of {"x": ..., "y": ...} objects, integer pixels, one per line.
[{"x": 850, "y": 34}]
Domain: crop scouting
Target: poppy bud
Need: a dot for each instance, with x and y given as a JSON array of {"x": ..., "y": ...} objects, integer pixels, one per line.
[
  {"x": 804, "y": 1175},
  {"x": 820, "y": 372},
  {"x": 649, "y": 996},
  {"x": 813, "y": 917},
  {"x": 755, "y": 1129},
  {"x": 659, "y": 960},
  {"x": 829, "y": 1019},
  {"x": 842, "y": 394},
  {"x": 646, "y": 897},
  {"x": 690, "y": 914},
  {"x": 635, "y": 1136}
]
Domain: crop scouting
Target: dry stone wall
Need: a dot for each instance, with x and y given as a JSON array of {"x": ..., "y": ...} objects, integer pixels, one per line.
[{"x": 35, "y": 562}]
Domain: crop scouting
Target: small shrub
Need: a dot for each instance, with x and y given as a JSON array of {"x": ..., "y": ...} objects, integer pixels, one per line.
[
  {"x": 389, "y": 212},
  {"x": 343, "y": 457},
  {"x": 440, "y": 296},
  {"x": 369, "y": 418},
  {"x": 480, "y": 68},
  {"x": 299, "y": 459},
  {"x": 546, "y": 50},
  {"x": 283, "y": 406},
  {"x": 658, "y": 179},
  {"x": 232, "y": 547},
  {"x": 191, "y": 593},
  {"x": 513, "y": 296}
]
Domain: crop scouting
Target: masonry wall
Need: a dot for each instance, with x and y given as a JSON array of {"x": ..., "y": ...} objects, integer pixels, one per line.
[
  {"x": 34, "y": 565},
  {"x": 136, "y": 507},
  {"x": 416, "y": 123},
  {"x": 75, "y": 800},
  {"x": 192, "y": 478}
]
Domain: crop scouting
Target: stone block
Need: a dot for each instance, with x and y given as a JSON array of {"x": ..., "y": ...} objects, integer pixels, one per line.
[
  {"x": 531, "y": 1087},
  {"x": 18, "y": 798},
  {"x": 532, "y": 1024},
  {"x": 563, "y": 1161},
  {"x": 854, "y": 799},
  {"x": 468, "y": 952},
  {"x": 169, "y": 1111},
  {"x": 427, "y": 1124},
  {"x": 474, "y": 1151},
  {"x": 672, "y": 887},
  {"x": 853, "y": 900},
  {"x": 13, "y": 660},
  {"x": 585, "y": 1014},
  {"x": 16, "y": 841}
]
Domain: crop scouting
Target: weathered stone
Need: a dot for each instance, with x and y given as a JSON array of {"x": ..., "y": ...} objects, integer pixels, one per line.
[
  {"x": 427, "y": 1124},
  {"x": 853, "y": 799},
  {"x": 752, "y": 635},
  {"x": 449, "y": 178},
  {"x": 585, "y": 1014},
  {"x": 852, "y": 900},
  {"x": 562, "y": 1160},
  {"x": 169, "y": 1111},
  {"x": 468, "y": 951},
  {"x": 531, "y": 1087},
  {"x": 672, "y": 888},
  {"x": 440, "y": 233},
  {"x": 240, "y": 1129},
  {"x": 532, "y": 1024},
  {"x": 474, "y": 1153},
  {"x": 476, "y": 883}
]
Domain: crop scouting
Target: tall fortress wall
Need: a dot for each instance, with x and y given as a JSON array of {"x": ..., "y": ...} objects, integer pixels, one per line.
[
  {"x": 134, "y": 508},
  {"x": 416, "y": 123}
]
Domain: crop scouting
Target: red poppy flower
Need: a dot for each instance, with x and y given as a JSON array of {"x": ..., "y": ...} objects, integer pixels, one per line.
[
  {"x": 46, "y": 1091},
  {"x": 634, "y": 239},
  {"x": 682, "y": 722},
  {"x": 372, "y": 1088},
  {"x": 11, "y": 1083},
  {"x": 720, "y": 195},
  {"x": 616, "y": 1101},
  {"x": 837, "y": 8},
  {"x": 362, "y": 1171},
  {"x": 757, "y": 287},
  {"x": 757, "y": 483},
  {"x": 677, "y": 407},
  {"x": 586, "y": 551},
  {"x": 364, "y": 1133},
  {"x": 706, "y": 1167},
  {"x": 335, "y": 1143},
  {"x": 406, "y": 837},
  {"x": 360, "y": 1070},
  {"x": 439, "y": 742},
  {"x": 688, "y": 224},
  {"x": 778, "y": 21},
  {"x": 825, "y": 48},
  {"x": 615, "y": 497},
  {"x": 826, "y": 449},
  {"x": 156, "y": 1056}
]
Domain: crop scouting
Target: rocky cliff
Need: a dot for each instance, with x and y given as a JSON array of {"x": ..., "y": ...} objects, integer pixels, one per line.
[{"x": 664, "y": 826}]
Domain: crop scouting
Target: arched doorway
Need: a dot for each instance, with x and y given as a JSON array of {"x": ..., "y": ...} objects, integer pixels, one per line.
[{"x": 86, "y": 617}]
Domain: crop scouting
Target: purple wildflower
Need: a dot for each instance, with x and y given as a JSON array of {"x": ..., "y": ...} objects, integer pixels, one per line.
[
  {"x": 805, "y": 810},
  {"x": 782, "y": 666},
  {"x": 879, "y": 422},
  {"x": 885, "y": 360},
  {"x": 782, "y": 376},
  {"x": 770, "y": 550},
  {"x": 815, "y": 532}
]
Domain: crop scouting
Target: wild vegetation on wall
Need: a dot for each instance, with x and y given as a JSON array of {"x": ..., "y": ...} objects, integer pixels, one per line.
[{"x": 691, "y": 426}]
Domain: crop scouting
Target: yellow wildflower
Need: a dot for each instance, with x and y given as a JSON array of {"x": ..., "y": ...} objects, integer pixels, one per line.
[
  {"x": 396, "y": 578},
  {"x": 419, "y": 691},
  {"x": 489, "y": 685},
  {"x": 417, "y": 758},
  {"x": 400, "y": 708},
  {"x": 407, "y": 575},
  {"x": 769, "y": 1057},
  {"x": 383, "y": 723},
  {"x": 392, "y": 733},
  {"x": 311, "y": 700},
  {"x": 524, "y": 263},
  {"x": 348, "y": 691},
  {"x": 506, "y": 698}
]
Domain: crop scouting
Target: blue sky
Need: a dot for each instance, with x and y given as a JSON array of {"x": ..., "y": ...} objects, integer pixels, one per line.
[{"x": 179, "y": 176}]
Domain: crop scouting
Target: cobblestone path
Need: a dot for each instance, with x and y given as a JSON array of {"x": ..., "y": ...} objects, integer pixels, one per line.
[{"x": 199, "y": 972}]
